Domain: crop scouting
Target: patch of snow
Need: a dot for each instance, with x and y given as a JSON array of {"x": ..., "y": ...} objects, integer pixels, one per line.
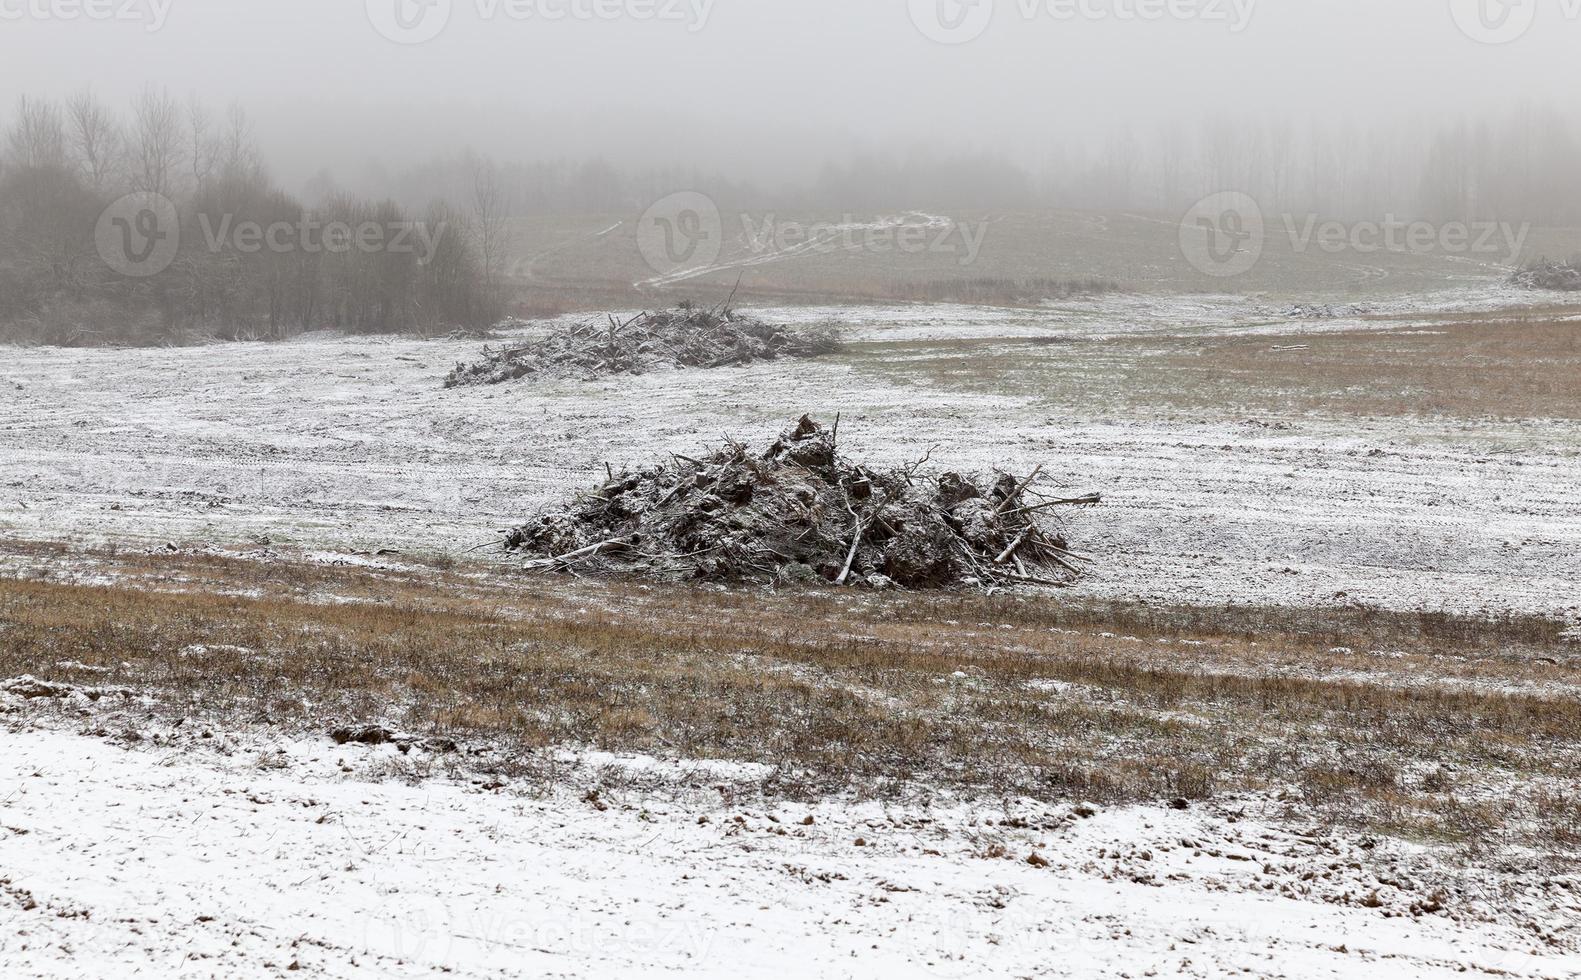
[{"x": 266, "y": 857}]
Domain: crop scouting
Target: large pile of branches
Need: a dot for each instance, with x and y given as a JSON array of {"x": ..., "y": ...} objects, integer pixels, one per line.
[
  {"x": 800, "y": 512},
  {"x": 686, "y": 337},
  {"x": 1548, "y": 274}
]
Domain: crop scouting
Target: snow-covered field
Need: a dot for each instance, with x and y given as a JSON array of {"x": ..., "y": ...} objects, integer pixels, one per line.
[
  {"x": 224, "y": 854},
  {"x": 129, "y": 846},
  {"x": 351, "y": 444}
]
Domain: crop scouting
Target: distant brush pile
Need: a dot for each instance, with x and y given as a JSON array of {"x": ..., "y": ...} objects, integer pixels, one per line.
[
  {"x": 687, "y": 337},
  {"x": 800, "y": 513},
  {"x": 1547, "y": 274}
]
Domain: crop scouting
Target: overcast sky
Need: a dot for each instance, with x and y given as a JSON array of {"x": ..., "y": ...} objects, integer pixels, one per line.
[{"x": 780, "y": 84}]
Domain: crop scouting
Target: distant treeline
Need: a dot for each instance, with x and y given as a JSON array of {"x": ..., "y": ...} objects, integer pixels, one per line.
[
  {"x": 424, "y": 249},
  {"x": 163, "y": 226},
  {"x": 1519, "y": 168}
]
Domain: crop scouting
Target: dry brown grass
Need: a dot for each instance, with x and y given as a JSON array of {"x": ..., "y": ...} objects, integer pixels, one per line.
[
  {"x": 1486, "y": 367},
  {"x": 1505, "y": 367},
  {"x": 1466, "y": 733}
]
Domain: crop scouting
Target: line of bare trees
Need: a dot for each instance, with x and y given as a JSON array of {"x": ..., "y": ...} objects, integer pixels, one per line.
[
  {"x": 1516, "y": 167},
  {"x": 62, "y": 164}
]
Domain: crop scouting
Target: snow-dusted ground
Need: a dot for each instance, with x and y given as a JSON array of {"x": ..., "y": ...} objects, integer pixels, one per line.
[
  {"x": 190, "y": 853},
  {"x": 228, "y": 853},
  {"x": 1130, "y": 314},
  {"x": 345, "y": 444}
]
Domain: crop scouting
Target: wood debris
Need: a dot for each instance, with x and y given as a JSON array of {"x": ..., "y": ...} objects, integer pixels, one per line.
[
  {"x": 1548, "y": 274},
  {"x": 801, "y": 513},
  {"x": 686, "y": 337}
]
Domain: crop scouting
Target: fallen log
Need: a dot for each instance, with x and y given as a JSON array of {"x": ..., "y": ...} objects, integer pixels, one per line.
[
  {"x": 1091, "y": 499},
  {"x": 613, "y": 544},
  {"x": 1019, "y": 490},
  {"x": 1020, "y": 540}
]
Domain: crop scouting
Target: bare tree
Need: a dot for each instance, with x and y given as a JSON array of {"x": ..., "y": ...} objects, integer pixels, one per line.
[
  {"x": 1281, "y": 142},
  {"x": 156, "y": 150},
  {"x": 95, "y": 137},
  {"x": 38, "y": 136},
  {"x": 490, "y": 225},
  {"x": 1169, "y": 153},
  {"x": 1119, "y": 169},
  {"x": 201, "y": 149},
  {"x": 44, "y": 209},
  {"x": 237, "y": 152}
]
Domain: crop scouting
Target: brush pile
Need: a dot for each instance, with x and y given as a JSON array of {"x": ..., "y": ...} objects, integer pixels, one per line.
[
  {"x": 687, "y": 337},
  {"x": 1547, "y": 274},
  {"x": 800, "y": 513}
]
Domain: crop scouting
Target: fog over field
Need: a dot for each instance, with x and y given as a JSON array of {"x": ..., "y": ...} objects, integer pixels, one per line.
[{"x": 770, "y": 91}]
